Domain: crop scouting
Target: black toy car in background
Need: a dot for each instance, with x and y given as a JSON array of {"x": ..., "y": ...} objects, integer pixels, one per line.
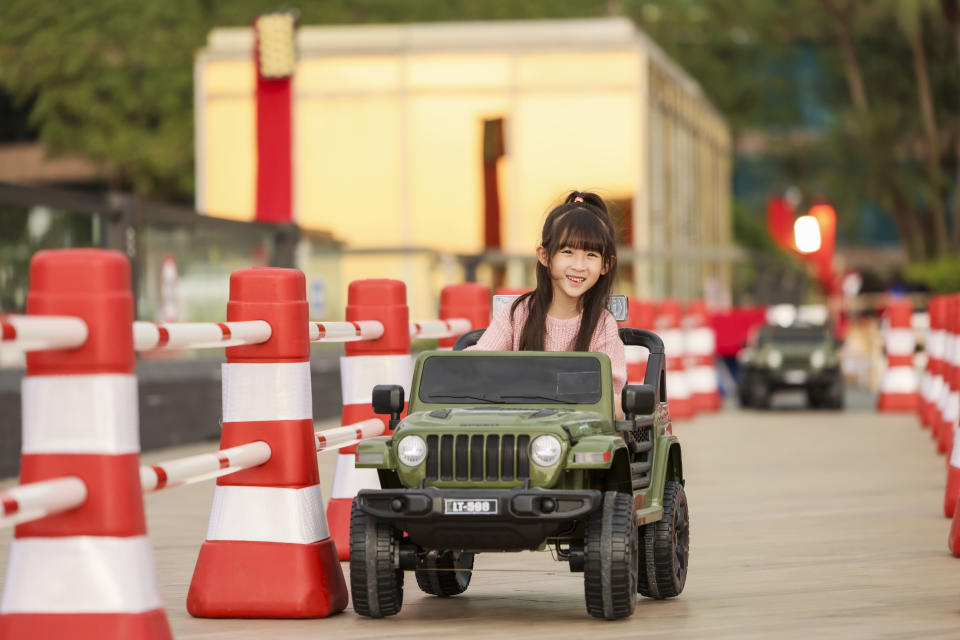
[{"x": 798, "y": 356}]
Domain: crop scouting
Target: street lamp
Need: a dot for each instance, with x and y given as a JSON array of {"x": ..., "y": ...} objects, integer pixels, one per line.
[{"x": 806, "y": 234}]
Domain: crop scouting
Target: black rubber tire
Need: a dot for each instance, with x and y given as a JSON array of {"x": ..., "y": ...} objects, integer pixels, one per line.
[
  {"x": 665, "y": 547},
  {"x": 446, "y": 574},
  {"x": 758, "y": 394},
  {"x": 376, "y": 586},
  {"x": 742, "y": 391},
  {"x": 611, "y": 559},
  {"x": 816, "y": 397},
  {"x": 835, "y": 393}
]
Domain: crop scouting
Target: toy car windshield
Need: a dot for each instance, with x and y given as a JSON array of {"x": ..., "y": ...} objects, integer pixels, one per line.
[
  {"x": 798, "y": 335},
  {"x": 511, "y": 380}
]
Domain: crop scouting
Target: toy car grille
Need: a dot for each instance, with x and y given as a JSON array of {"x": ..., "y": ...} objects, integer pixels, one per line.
[
  {"x": 795, "y": 362},
  {"x": 477, "y": 458}
]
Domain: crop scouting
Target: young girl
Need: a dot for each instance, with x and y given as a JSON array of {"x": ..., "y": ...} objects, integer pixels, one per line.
[{"x": 577, "y": 262}]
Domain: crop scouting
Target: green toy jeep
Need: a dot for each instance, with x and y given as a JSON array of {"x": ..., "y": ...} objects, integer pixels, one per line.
[
  {"x": 793, "y": 357},
  {"x": 509, "y": 451}
]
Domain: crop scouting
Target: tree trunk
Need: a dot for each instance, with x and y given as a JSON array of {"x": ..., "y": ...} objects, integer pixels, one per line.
[
  {"x": 951, "y": 12},
  {"x": 924, "y": 96},
  {"x": 851, "y": 67},
  {"x": 905, "y": 217}
]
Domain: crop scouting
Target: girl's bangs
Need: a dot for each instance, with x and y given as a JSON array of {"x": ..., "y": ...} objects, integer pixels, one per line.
[{"x": 583, "y": 230}]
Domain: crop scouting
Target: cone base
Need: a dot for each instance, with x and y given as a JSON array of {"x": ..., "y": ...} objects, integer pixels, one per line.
[
  {"x": 242, "y": 579},
  {"x": 149, "y": 625},
  {"x": 953, "y": 540},
  {"x": 706, "y": 401},
  {"x": 927, "y": 413},
  {"x": 952, "y": 492},
  {"x": 338, "y": 522},
  {"x": 681, "y": 409},
  {"x": 945, "y": 439},
  {"x": 898, "y": 402}
]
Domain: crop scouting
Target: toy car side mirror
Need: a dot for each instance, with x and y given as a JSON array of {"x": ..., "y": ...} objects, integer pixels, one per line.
[
  {"x": 638, "y": 399},
  {"x": 388, "y": 399}
]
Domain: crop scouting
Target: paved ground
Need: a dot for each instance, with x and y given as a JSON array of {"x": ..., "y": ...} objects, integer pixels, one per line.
[{"x": 803, "y": 525}]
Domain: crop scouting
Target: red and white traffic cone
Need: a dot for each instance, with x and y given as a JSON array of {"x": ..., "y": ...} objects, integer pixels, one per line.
[
  {"x": 951, "y": 373},
  {"x": 87, "y": 572},
  {"x": 898, "y": 387},
  {"x": 366, "y": 364},
  {"x": 952, "y": 491},
  {"x": 950, "y": 342},
  {"x": 468, "y": 300},
  {"x": 640, "y": 315},
  {"x": 268, "y": 553},
  {"x": 701, "y": 343},
  {"x": 932, "y": 379},
  {"x": 678, "y": 386},
  {"x": 953, "y": 539}
]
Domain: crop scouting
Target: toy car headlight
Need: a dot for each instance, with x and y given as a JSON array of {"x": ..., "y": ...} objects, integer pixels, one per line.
[
  {"x": 774, "y": 359},
  {"x": 817, "y": 359},
  {"x": 545, "y": 450},
  {"x": 412, "y": 450}
]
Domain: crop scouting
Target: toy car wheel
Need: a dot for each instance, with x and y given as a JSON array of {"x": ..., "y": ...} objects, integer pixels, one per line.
[
  {"x": 376, "y": 584},
  {"x": 742, "y": 388},
  {"x": 835, "y": 393},
  {"x": 611, "y": 559},
  {"x": 665, "y": 547},
  {"x": 758, "y": 393},
  {"x": 445, "y": 574},
  {"x": 815, "y": 397}
]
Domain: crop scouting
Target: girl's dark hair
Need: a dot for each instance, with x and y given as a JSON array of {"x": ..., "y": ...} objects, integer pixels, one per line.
[{"x": 581, "y": 222}]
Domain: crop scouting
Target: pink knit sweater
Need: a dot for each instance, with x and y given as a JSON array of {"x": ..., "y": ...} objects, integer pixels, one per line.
[{"x": 504, "y": 335}]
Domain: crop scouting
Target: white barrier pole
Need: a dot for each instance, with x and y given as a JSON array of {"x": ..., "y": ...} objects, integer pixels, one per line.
[
  {"x": 40, "y": 499},
  {"x": 345, "y": 331},
  {"x": 349, "y": 434},
  {"x": 198, "y": 335},
  {"x": 440, "y": 328},
  {"x": 204, "y": 466},
  {"x": 35, "y": 333}
]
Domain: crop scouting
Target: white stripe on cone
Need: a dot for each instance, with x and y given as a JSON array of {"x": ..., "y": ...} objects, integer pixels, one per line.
[
  {"x": 899, "y": 342},
  {"x": 359, "y": 374},
  {"x": 81, "y": 574},
  {"x": 702, "y": 379},
  {"x": 268, "y": 514},
  {"x": 80, "y": 414},
  {"x": 899, "y": 380},
  {"x": 254, "y": 392},
  {"x": 348, "y": 480}
]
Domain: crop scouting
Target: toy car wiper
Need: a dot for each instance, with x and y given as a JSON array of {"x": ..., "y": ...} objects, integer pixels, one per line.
[
  {"x": 535, "y": 397},
  {"x": 438, "y": 396}
]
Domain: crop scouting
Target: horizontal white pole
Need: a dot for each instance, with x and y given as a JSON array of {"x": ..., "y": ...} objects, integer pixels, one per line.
[
  {"x": 36, "y": 500},
  {"x": 198, "y": 335},
  {"x": 440, "y": 328},
  {"x": 349, "y": 434},
  {"x": 37, "y": 333},
  {"x": 204, "y": 466},
  {"x": 345, "y": 331}
]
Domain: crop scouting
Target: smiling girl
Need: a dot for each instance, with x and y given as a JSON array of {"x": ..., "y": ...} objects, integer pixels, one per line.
[{"x": 576, "y": 266}]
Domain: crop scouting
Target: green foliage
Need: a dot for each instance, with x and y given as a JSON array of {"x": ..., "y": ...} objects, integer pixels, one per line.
[
  {"x": 113, "y": 79},
  {"x": 940, "y": 276},
  {"x": 750, "y": 229}
]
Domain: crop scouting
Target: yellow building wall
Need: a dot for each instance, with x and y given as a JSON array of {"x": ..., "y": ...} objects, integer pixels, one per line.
[{"x": 228, "y": 138}]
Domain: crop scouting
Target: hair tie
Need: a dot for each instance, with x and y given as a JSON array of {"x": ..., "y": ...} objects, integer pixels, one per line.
[{"x": 578, "y": 199}]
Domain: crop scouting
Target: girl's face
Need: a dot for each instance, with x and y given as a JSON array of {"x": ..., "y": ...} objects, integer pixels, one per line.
[{"x": 572, "y": 271}]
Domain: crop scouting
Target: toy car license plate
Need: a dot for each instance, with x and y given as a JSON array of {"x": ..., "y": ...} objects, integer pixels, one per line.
[
  {"x": 482, "y": 507},
  {"x": 795, "y": 377}
]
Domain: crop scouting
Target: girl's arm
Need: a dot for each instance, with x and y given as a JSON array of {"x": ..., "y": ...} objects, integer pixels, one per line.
[
  {"x": 608, "y": 341},
  {"x": 499, "y": 335}
]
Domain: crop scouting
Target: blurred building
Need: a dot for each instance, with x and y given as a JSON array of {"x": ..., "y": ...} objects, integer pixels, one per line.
[{"x": 434, "y": 151}]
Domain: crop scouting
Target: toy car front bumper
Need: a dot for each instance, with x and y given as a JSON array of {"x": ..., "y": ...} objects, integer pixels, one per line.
[{"x": 517, "y": 518}]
